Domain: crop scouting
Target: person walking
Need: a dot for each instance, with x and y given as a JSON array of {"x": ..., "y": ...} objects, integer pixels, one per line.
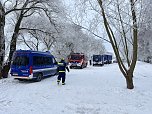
[{"x": 62, "y": 67}]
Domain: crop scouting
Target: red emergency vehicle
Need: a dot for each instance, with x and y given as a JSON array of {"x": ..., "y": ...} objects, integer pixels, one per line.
[{"x": 77, "y": 60}]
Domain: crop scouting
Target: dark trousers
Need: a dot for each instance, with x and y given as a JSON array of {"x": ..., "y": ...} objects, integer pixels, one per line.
[{"x": 61, "y": 75}]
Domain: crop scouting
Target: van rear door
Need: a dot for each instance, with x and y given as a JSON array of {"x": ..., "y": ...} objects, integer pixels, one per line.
[{"x": 20, "y": 65}]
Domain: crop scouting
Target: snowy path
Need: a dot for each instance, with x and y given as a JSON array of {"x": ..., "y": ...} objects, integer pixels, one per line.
[{"x": 93, "y": 90}]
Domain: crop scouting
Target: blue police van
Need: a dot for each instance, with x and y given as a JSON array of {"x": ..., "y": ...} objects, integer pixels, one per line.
[
  {"x": 107, "y": 59},
  {"x": 32, "y": 65},
  {"x": 102, "y": 59},
  {"x": 98, "y": 60}
]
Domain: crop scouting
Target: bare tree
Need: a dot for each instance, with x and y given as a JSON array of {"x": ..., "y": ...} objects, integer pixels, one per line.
[
  {"x": 32, "y": 42},
  {"x": 23, "y": 9},
  {"x": 2, "y": 38},
  {"x": 27, "y": 9},
  {"x": 128, "y": 70}
]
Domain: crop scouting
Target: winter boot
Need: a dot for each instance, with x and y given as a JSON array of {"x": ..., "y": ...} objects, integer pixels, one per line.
[{"x": 63, "y": 83}]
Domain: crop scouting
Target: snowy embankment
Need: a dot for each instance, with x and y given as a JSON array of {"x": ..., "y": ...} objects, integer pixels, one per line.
[{"x": 93, "y": 90}]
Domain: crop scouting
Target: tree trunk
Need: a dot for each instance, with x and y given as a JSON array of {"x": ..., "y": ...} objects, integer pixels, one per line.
[
  {"x": 2, "y": 38},
  {"x": 129, "y": 81},
  {"x": 14, "y": 39},
  {"x": 13, "y": 44}
]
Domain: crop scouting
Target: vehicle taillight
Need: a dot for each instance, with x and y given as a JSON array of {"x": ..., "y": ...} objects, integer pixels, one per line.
[
  {"x": 78, "y": 61},
  {"x": 31, "y": 70}
]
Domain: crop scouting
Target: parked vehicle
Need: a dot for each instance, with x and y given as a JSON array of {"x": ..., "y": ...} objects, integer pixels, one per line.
[
  {"x": 30, "y": 65},
  {"x": 98, "y": 60},
  {"x": 107, "y": 59},
  {"x": 77, "y": 60}
]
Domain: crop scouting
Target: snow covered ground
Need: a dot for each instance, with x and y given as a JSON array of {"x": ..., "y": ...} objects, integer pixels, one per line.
[{"x": 93, "y": 90}]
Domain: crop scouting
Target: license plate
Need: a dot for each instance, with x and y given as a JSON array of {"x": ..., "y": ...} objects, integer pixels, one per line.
[{"x": 15, "y": 74}]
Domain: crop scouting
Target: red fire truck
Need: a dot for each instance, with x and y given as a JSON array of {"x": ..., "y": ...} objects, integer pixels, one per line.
[{"x": 77, "y": 60}]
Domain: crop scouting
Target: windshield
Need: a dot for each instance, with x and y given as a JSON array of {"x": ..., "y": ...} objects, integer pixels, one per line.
[
  {"x": 96, "y": 57},
  {"x": 21, "y": 61},
  {"x": 75, "y": 57}
]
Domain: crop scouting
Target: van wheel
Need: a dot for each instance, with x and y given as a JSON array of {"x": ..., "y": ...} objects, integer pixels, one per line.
[
  {"x": 21, "y": 79},
  {"x": 81, "y": 67},
  {"x": 39, "y": 77},
  {"x": 86, "y": 64}
]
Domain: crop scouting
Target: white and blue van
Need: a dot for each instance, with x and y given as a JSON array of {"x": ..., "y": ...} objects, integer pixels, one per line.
[{"x": 32, "y": 65}]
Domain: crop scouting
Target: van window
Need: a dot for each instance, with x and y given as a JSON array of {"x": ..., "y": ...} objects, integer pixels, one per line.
[
  {"x": 49, "y": 61},
  {"x": 97, "y": 57},
  {"x": 40, "y": 61},
  {"x": 37, "y": 60},
  {"x": 21, "y": 61}
]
